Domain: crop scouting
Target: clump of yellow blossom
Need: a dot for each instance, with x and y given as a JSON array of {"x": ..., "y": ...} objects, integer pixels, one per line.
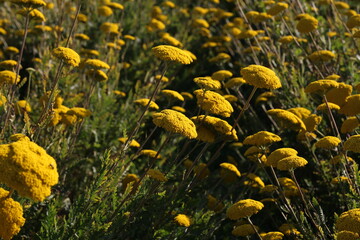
[
  {"x": 328, "y": 142},
  {"x": 289, "y": 229},
  {"x": 8, "y": 64},
  {"x": 171, "y": 53},
  {"x": 244, "y": 230},
  {"x": 322, "y": 56},
  {"x": 229, "y": 172},
  {"x": 175, "y": 122},
  {"x": 243, "y": 209},
  {"x": 11, "y": 215},
  {"x": 150, "y": 153},
  {"x": 129, "y": 179},
  {"x": 235, "y": 82},
  {"x": 221, "y": 75},
  {"x": 30, "y": 3},
  {"x": 349, "y": 221},
  {"x": 353, "y": 144},
  {"x": 8, "y": 77},
  {"x": 261, "y": 138},
  {"x": 261, "y": 77},
  {"x": 279, "y": 154},
  {"x": 272, "y": 236},
  {"x": 349, "y": 125},
  {"x": 133, "y": 142},
  {"x": 182, "y": 220},
  {"x": 287, "y": 119},
  {"x": 277, "y": 8},
  {"x": 351, "y": 106},
  {"x": 104, "y": 11},
  {"x": 213, "y": 103},
  {"x": 214, "y": 204},
  {"x": 347, "y": 235},
  {"x": 307, "y": 24},
  {"x": 207, "y": 83},
  {"x": 144, "y": 102},
  {"x": 172, "y": 95},
  {"x": 290, "y": 163},
  {"x": 28, "y": 169},
  {"x": 68, "y": 55},
  {"x": 323, "y": 107},
  {"x": 157, "y": 175},
  {"x": 96, "y": 63}
]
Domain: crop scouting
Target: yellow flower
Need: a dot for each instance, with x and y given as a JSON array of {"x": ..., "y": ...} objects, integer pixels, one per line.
[
  {"x": 179, "y": 109},
  {"x": 34, "y": 14},
  {"x": 261, "y": 138},
  {"x": 119, "y": 93},
  {"x": 244, "y": 208},
  {"x": 169, "y": 4},
  {"x": 144, "y": 101},
  {"x": 279, "y": 154},
  {"x": 215, "y": 127},
  {"x": 97, "y": 74},
  {"x": 207, "y": 83},
  {"x": 28, "y": 169},
  {"x": 289, "y": 229},
  {"x": 247, "y": 34},
  {"x": 133, "y": 142},
  {"x": 108, "y": 27},
  {"x": 175, "y": 122},
  {"x": 234, "y": 82},
  {"x": 182, "y": 220},
  {"x": 351, "y": 106},
  {"x": 290, "y": 163},
  {"x": 157, "y": 175},
  {"x": 321, "y": 86},
  {"x": 229, "y": 172},
  {"x": 353, "y": 21},
  {"x": 339, "y": 94},
  {"x": 328, "y": 142},
  {"x": 286, "y": 39},
  {"x": 277, "y": 8},
  {"x": 322, "y": 56},
  {"x": 221, "y": 75},
  {"x": 255, "y": 181},
  {"x": 30, "y": 3},
  {"x": 129, "y": 178},
  {"x": 244, "y": 230},
  {"x": 311, "y": 122},
  {"x": 340, "y": 159},
  {"x": 341, "y": 5},
  {"x": 213, "y": 103},
  {"x": 155, "y": 24},
  {"x": 104, "y": 11},
  {"x": 261, "y": 77},
  {"x": 79, "y": 112},
  {"x": 8, "y": 77},
  {"x": 289, "y": 187},
  {"x": 167, "y": 38},
  {"x": 349, "y": 125},
  {"x": 347, "y": 235},
  {"x": 90, "y": 52},
  {"x": 307, "y": 24},
  {"x": 8, "y": 64},
  {"x": 323, "y": 107},
  {"x": 231, "y": 98},
  {"x": 115, "y": 5},
  {"x": 287, "y": 119},
  {"x": 353, "y": 144},
  {"x": 11, "y": 215},
  {"x": 12, "y": 49},
  {"x": 172, "y": 95},
  {"x": 150, "y": 153},
  {"x": 272, "y": 236},
  {"x": 200, "y": 23},
  {"x": 214, "y": 204},
  {"x": 187, "y": 95},
  {"x": 68, "y": 55},
  {"x": 3, "y": 100},
  {"x": 96, "y": 63},
  {"x": 171, "y": 53},
  {"x": 268, "y": 189},
  {"x": 349, "y": 221},
  {"x": 22, "y": 106},
  {"x": 220, "y": 57},
  {"x": 201, "y": 171}
]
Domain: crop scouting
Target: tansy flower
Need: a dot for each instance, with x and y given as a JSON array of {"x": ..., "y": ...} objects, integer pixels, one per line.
[
  {"x": 220, "y": 57},
  {"x": 244, "y": 230},
  {"x": 261, "y": 77},
  {"x": 214, "y": 204},
  {"x": 200, "y": 23},
  {"x": 353, "y": 21},
  {"x": 243, "y": 209},
  {"x": 346, "y": 235},
  {"x": 119, "y": 93},
  {"x": 322, "y": 56},
  {"x": 104, "y": 11},
  {"x": 163, "y": 79},
  {"x": 30, "y": 3},
  {"x": 34, "y": 14},
  {"x": 29, "y": 169},
  {"x": 179, "y": 109},
  {"x": 144, "y": 102},
  {"x": 289, "y": 229},
  {"x": 323, "y": 107},
  {"x": 171, "y": 53},
  {"x": 187, "y": 95},
  {"x": 216, "y": 127},
  {"x": 108, "y": 27},
  {"x": 129, "y": 178},
  {"x": 3, "y": 100},
  {"x": 133, "y": 142},
  {"x": 349, "y": 221},
  {"x": 339, "y": 94},
  {"x": 96, "y": 63},
  {"x": 221, "y": 75},
  {"x": 156, "y": 174},
  {"x": 328, "y": 142},
  {"x": 351, "y": 106},
  {"x": 272, "y": 236},
  {"x": 207, "y": 83},
  {"x": 79, "y": 112},
  {"x": 115, "y": 5},
  {"x": 247, "y": 34},
  {"x": 22, "y": 106},
  {"x": 97, "y": 74},
  {"x": 169, "y": 4},
  {"x": 8, "y": 77},
  {"x": 279, "y": 154},
  {"x": 289, "y": 187},
  {"x": 261, "y": 138},
  {"x": 307, "y": 24},
  {"x": 175, "y": 122},
  {"x": 82, "y": 36},
  {"x": 286, "y": 39},
  {"x": 349, "y": 125},
  {"x": 229, "y": 172},
  {"x": 90, "y": 52},
  {"x": 11, "y": 49},
  {"x": 353, "y": 144},
  {"x": 268, "y": 189},
  {"x": 68, "y": 55},
  {"x": 155, "y": 24},
  {"x": 254, "y": 181},
  {"x": 11, "y": 215},
  {"x": 150, "y": 153},
  {"x": 172, "y": 95},
  {"x": 231, "y": 98},
  {"x": 290, "y": 163},
  {"x": 182, "y": 220},
  {"x": 8, "y": 64},
  {"x": 167, "y": 38},
  {"x": 277, "y": 8},
  {"x": 213, "y": 103},
  {"x": 287, "y": 119},
  {"x": 235, "y": 82}
]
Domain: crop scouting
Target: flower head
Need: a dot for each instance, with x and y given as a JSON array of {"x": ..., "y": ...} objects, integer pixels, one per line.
[
  {"x": 347, "y": 235},
  {"x": 229, "y": 172},
  {"x": 144, "y": 102},
  {"x": 322, "y": 56},
  {"x": 279, "y": 154},
  {"x": 353, "y": 144},
  {"x": 173, "y": 95},
  {"x": 133, "y": 142},
  {"x": 291, "y": 162},
  {"x": 221, "y": 75},
  {"x": 261, "y": 138},
  {"x": 182, "y": 220},
  {"x": 8, "y": 77},
  {"x": 287, "y": 119},
  {"x": 207, "y": 83},
  {"x": 272, "y": 236},
  {"x": 171, "y": 53},
  {"x": 96, "y": 63},
  {"x": 351, "y": 106},
  {"x": 307, "y": 24},
  {"x": 328, "y": 142},
  {"x": 277, "y": 8},
  {"x": 349, "y": 221},
  {"x": 30, "y": 3},
  {"x": 156, "y": 174},
  {"x": 213, "y": 103},
  {"x": 11, "y": 215},
  {"x": 244, "y": 230},
  {"x": 29, "y": 169},
  {"x": 235, "y": 82},
  {"x": 175, "y": 122},
  {"x": 244, "y": 208},
  {"x": 289, "y": 229},
  {"x": 68, "y": 55},
  {"x": 261, "y": 77},
  {"x": 349, "y": 125}
]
